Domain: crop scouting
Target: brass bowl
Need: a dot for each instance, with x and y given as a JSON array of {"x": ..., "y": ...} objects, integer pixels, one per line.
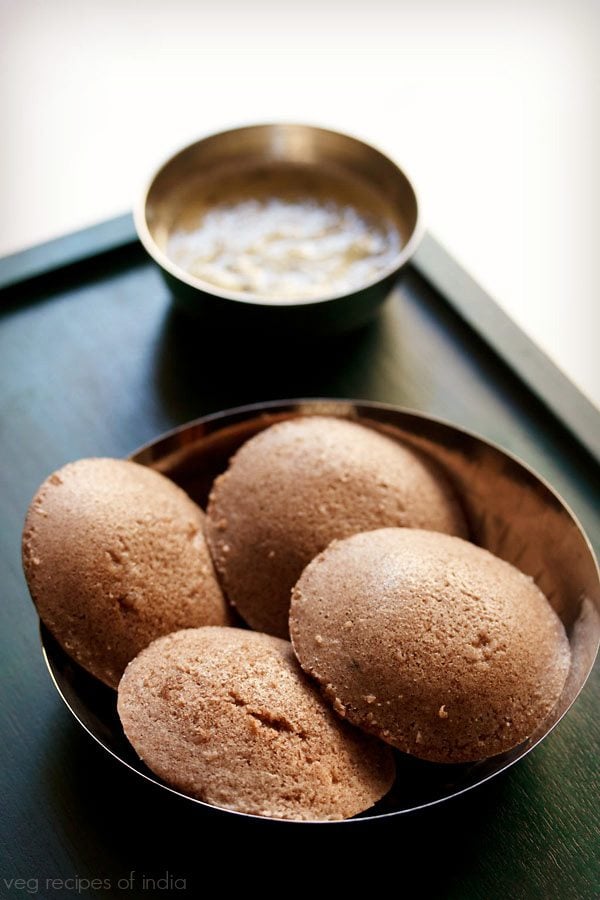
[
  {"x": 277, "y": 143},
  {"x": 511, "y": 511}
]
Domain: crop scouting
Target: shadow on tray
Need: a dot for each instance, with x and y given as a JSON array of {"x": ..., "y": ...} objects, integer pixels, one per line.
[{"x": 198, "y": 371}]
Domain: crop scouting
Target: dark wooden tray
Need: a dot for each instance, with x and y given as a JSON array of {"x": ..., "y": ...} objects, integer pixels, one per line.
[{"x": 93, "y": 361}]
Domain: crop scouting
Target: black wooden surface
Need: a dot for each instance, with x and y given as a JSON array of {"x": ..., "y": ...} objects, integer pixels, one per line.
[{"x": 94, "y": 362}]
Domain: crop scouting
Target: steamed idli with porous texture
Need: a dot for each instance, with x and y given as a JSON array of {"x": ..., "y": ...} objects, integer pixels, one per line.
[
  {"x": 293, "y": 488},
  {"x": 228, "y": 717},
  {"x": 429, "y": 642},
  {"x": 115, "y": 555}
]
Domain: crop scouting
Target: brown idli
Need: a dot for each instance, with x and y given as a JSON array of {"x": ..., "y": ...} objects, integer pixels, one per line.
[
  {"x": 429, "y": 642},
  {"x": 114, "y": 555},
  {"x": 227, "y": 716},
  {"x": 293, "y": 488}
]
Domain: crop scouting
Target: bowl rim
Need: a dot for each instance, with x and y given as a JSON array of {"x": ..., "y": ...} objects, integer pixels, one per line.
[
  {"x": 239, "y": 413},
  {"x": 175, "y": 271}
]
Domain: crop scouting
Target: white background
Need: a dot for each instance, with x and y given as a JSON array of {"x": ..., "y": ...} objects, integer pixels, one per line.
[{"x": 491, "y": 107}]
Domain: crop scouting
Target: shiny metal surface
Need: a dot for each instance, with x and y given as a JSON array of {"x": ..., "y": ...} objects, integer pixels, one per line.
[
  {"x": 277, "y": 143},
  {"x": 511, "y": 511}
]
